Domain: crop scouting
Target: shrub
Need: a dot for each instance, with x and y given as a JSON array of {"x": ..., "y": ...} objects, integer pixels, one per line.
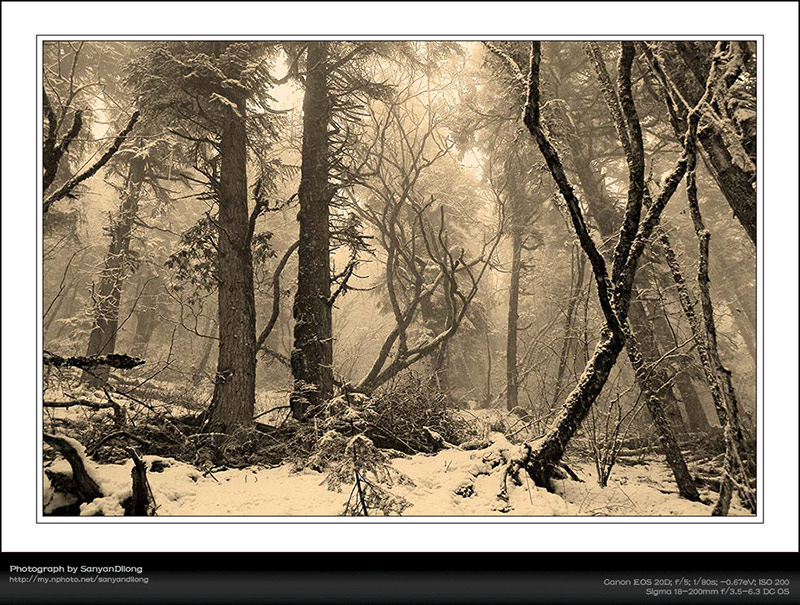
[
  {"x": 405, "y": 412},
  {"x": 370, "y": 473}
]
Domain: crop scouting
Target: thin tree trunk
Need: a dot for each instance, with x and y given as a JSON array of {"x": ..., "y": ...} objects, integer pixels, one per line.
[
  {"x": 440, "y": 370},
  {"x": 233, "y": 402},
  {"x": 576, "y": 287},
  {"x": 488, "y": 395},
  {"x": 734, "y": 446},
  {"x": 312, "y": 354},
  {"x": 734, "y": 440},
  {"x": 697, "y": 330},
  {"x": 512, "y": 371},
  {"x": 103, "y": 337}
]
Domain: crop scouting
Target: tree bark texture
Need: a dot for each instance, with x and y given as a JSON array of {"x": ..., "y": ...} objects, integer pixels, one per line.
[
  {"x": 233, "y": 402},
  {"x": 312, "y": 353},
  {"x": 661, "y": 421}
]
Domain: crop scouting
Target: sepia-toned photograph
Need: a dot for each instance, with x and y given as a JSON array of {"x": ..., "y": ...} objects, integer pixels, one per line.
[{"x": 398, "y": 278}]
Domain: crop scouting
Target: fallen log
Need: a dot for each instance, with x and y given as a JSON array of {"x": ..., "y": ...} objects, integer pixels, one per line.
[
  {"x": 95, "y": 405},
  {"x": 86, "y": 488},
  {"x": 118, "y": 361}
]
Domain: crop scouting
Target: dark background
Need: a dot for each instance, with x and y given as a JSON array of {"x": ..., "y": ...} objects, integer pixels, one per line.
[{"x": 401, "y": 577}]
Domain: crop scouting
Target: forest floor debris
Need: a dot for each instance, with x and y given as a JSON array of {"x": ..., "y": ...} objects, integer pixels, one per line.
[{"x": 450, "y": 482}]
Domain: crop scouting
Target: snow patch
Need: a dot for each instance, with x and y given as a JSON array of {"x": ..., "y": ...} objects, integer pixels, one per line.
[{"x": 451, "y": 482}]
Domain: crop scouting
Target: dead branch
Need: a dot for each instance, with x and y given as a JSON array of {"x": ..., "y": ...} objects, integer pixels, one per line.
[
  {"x": 142, "y": 503},
  {"x": 66, "y": 189},
  {"x": 276, "y": 296},
  {"x": 117, "y": 435}
]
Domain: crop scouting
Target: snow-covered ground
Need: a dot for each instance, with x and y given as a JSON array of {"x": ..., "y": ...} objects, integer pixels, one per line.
[{"x": 451, "y": 482}]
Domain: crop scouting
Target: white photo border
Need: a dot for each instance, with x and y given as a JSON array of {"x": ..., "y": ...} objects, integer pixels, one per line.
[{"x": 20, "y": 394}]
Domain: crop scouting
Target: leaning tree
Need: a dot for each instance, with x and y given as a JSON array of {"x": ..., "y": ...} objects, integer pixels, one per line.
[{"x": 614, "y": 287}]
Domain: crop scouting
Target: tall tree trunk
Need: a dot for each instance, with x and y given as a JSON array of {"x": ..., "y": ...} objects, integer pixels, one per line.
[
  {"x": 698, "y": 331},
  {"x": 146, "y": 322},
  {"x": 512, "y": 371},
  {"x": 695, "y": 412},
  {"x": 233, "y": 402},
  {"x": 103, "y": 337},
  {"x": 312, "y": 354},
  {"x": 440, "y": 370},
  {"x": 734, "y": 440},
  {"x": 488, "y": 395}
]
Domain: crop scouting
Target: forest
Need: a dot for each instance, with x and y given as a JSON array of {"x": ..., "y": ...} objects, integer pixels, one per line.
[{"x": 398, "y": 277}]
